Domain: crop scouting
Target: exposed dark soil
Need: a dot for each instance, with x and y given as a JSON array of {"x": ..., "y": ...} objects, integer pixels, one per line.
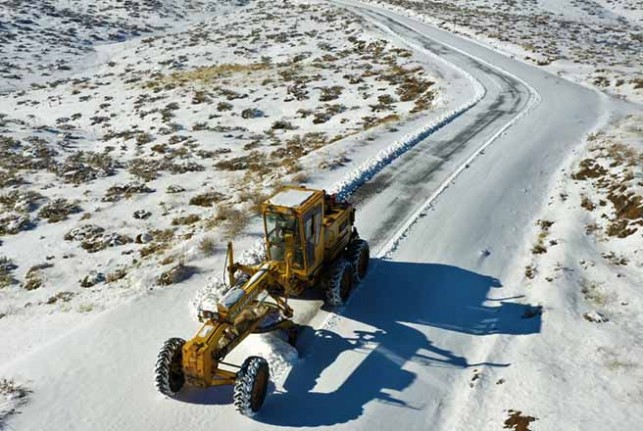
[{"x": 518, "y": 422}]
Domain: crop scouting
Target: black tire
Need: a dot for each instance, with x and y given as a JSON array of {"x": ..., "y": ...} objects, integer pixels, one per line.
[
  {"x": 169, "y": 375},
  {"x": 251, "y": 385},
  {"x": 339, "y": 283},
  {"x": 293, "y": 335},
  {"x": 358, "y": 255}
]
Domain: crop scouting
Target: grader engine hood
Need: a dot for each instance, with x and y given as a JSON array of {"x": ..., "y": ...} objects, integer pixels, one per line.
[
  {"x": 237, "y": 298},
  {"x": 238, "y": 311}
]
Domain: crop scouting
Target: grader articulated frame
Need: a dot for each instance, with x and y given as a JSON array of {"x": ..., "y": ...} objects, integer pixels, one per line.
[{"x": 310, "y": 241}]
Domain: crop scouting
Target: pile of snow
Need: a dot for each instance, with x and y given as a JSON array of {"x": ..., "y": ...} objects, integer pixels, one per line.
[{"x": 280, "y": 355}]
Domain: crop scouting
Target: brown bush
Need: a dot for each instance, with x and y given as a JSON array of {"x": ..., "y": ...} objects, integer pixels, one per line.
[
  {"x": 186, "y": 220},
  {"x": 58, "y": 210},
  {"x": 207, "y": 199},
  {"x": 207, "y": 245}
]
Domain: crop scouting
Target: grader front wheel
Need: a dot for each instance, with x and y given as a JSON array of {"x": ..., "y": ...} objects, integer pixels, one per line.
[
  {"x": 169, "y": 369},
  {"x": 251, "y": 385}
]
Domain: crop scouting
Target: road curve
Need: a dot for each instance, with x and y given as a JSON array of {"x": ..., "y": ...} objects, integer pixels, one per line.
[
  {"x": 402, "y": 352},
  {"x": 418, "y": 173}
]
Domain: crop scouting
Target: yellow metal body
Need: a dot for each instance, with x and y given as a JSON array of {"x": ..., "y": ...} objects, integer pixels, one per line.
[
  {"x": 321, "y": 231},
  {"x": 305, "y": 230}
]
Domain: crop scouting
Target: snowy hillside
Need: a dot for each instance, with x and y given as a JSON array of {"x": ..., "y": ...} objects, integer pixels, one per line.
[
  {"x": 173, "y": 135},
  {"x": 47, "y": 41}
]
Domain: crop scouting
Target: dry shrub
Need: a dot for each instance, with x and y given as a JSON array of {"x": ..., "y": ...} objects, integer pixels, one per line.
[
  {"x": 530, "y": 272},
  {"x": 161, "y": 242},
  {"x": 330, "y": 93},
  {"x": 255, "y": 198},
  {"x": 589, "y": 168},
  {"x": 63, "y": 296},
  {"x": 118, "y": 192},
  {"x": 518, "y": 421},
  {"x": 620, "y": 229},
  {"x": 283, "y": 125},
  {"x": 10, "y": 388},
  {"x": 205, "y": 74},
  {"x": 370, "y": 122},
  {"x": 58, "y": 210},
  {"x": 6, "y": 268},
  {"x": 33, "y": 279},
  {"x": 207, "y": 245},
  {"x": 587, "y": 203},
  {"x": 207, "y": 199},
  {"x": 232, "y": 219},
  {"x": 627, "y": 206},
  {"x": 186, "y": 220},
  {"x": 592, "y": 293}
]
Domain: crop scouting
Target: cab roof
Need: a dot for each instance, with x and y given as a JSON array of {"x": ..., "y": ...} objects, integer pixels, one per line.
[{"x": 291, "y": 198}]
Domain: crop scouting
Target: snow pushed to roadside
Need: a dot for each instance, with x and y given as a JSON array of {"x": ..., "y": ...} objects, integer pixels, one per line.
[
  {"x": 368, "y": 169},
  {"x": 371, "y": 167}
]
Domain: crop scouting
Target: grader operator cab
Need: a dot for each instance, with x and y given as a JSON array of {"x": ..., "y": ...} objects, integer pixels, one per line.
[{"x": 311, "y": 241}]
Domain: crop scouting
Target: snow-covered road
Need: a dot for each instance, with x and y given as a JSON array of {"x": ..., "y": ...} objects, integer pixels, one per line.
[{"x": 403, "y": 353}]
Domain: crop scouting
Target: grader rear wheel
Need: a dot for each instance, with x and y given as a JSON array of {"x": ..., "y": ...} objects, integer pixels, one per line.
[
  {"x": 339, "y": 283},
  {"x": 251, "y": 385},
  {"x": 169, "y": 368},
  {"x": 358, "y": 255}
]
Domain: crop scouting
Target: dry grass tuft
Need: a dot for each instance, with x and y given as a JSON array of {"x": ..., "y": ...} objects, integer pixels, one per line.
[
  {"x": 232, "y": 219},
  {"x": 186, "y": 220},
  {"x": 205, "y": 75},
  {"x": 6, "y": 269},
  {"x": 207, "y": 199},
  {"x": 208, "y": 246}
]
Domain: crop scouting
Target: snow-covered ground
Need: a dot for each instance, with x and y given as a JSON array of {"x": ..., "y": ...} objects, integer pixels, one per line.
[
  {"x": 445, "y": 331},
  {"x": 584, "y": 270},
  {"x": 596, "y": 43},
  {"x": 130, "y": 173}
]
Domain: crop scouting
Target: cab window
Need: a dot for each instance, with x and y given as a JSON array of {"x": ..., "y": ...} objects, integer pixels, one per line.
[{"x": 277, "y": 225}]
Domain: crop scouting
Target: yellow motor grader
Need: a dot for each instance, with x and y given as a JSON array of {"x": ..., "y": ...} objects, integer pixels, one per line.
[{"x": 311, "y": 241}]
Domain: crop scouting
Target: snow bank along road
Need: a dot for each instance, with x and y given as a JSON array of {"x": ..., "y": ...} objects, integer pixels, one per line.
[{"x": 403, "y": 352}]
